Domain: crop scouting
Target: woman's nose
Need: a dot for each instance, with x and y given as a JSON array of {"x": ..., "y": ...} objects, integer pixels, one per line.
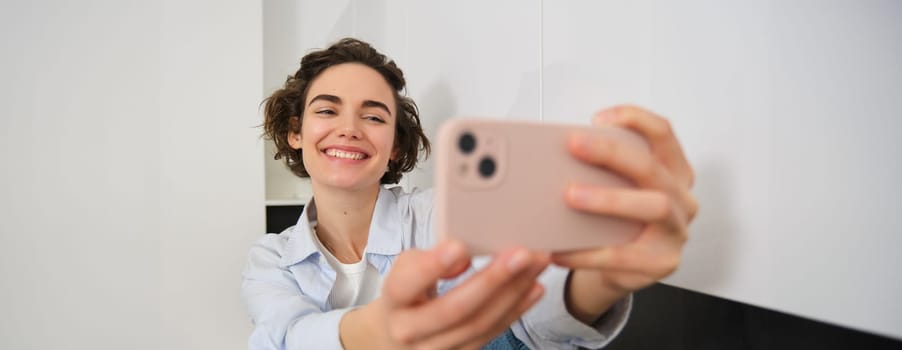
[{"x": 349, "y": 128}]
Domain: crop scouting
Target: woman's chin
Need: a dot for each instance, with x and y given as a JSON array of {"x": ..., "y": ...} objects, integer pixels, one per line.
[{"x": 351, "y": 183}]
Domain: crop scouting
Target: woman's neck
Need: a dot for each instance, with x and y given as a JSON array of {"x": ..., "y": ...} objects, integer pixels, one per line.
[{"x": 343, "y": 220}]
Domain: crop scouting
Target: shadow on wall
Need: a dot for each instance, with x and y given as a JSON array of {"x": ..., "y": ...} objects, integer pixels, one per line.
[
  {"x": 364, "y": 20},
  {"x": 707, "y": 261},
  {"x": 279, "y": 43},
  {"x": 526, "y": 101},
  {"x": 437, "y": 104},
  {"x": 573, "y": 91},
  {"x": 343, "y": 26},
  {"x": 372, "y": 24}
]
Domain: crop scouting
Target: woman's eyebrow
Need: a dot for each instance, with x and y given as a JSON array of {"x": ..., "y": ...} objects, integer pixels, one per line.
[
  {"x": 330, "y": 98},
  {"x": 376, "y": 104},
  {"x": 337, "y": 100}
]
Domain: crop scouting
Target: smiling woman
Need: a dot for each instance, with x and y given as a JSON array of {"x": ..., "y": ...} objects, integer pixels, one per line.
[
  {"x": 348, "y": 131},
  {"x": 287, "y": 107},
  {"x": 361, "y": 269}
]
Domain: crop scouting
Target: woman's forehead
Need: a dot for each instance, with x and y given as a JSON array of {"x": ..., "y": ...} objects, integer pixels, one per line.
[{"x": 352, "y": 83}]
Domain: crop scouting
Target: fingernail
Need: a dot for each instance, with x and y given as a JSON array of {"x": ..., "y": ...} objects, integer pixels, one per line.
[
  {"x": 607, "y": 116},
  {"x": 582, "y": 140},
  {"x": 536, "y": 293},
  {"x": 578, "y": 194},
  {"x": 451, "y": 253},
  {"x": 518, "y": 261}
]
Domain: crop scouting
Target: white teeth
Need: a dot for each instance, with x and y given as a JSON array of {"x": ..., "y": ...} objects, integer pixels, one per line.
[{"x": 346, "y": 155}]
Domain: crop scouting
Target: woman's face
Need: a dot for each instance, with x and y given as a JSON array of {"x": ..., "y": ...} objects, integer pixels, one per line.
[{"x": 348, "y": 128}]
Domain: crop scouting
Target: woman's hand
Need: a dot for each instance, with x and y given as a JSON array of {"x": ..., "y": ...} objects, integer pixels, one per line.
[
  {"x": 662, "y": 200},
  {"x": 408, "y": 314}
]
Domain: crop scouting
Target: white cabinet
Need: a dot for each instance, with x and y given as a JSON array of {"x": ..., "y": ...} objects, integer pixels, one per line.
[{"x": 788, "y": 110}]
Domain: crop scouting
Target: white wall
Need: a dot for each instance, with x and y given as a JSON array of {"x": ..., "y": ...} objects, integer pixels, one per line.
[
  {"x": 132, "y": 185},
  {"x": 211, "y": 174},
  {"x": 787, "y": 109}
]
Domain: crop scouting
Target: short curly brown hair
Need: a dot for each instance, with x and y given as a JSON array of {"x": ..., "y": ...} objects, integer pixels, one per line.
[{"x": 284, "y": 109}]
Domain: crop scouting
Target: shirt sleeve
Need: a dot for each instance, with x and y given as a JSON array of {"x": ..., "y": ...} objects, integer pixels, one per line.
[
  {"x": 284, "y": 318},
  {"x": 548, "y": 324}
]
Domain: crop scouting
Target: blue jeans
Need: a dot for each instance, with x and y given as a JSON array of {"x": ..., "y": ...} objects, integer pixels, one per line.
[{"x": 505, "y": 341}]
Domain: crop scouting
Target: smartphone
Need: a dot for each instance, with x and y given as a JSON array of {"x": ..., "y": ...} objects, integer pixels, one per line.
[{"x": 501, "y": 183}]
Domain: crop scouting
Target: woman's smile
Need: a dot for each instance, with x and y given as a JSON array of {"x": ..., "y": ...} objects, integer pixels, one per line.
[
  {"x": 348, "y": 132},
  {"x": 345, "y": 153}
]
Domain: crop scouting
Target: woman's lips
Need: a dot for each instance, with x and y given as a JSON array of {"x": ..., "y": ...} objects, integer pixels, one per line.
[{"x": 345, "y": 153}]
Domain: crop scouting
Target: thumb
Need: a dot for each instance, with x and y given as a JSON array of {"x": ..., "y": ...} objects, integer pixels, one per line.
[{"x": 415, "y": 272}]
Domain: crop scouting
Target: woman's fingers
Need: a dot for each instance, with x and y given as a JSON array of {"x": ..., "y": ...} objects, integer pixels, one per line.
[
  {"x": 416, "y": 272},
  {"x": 525, "y": 304},
  {"x": 647, "y": 206},
  {"x": 633, "y": 163},
  {"x": 493, "y": 315},
  {"x": 642, "y": 205},
  {"x": 658, "y": 131},
  {"x": 412, "y": 324},
  {"x": 640, "y": 259}
]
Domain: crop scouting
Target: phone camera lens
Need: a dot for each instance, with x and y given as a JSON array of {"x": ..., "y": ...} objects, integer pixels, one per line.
[
  {"x": 466, "y": 143},
  {"x": 487, "y": 167}
]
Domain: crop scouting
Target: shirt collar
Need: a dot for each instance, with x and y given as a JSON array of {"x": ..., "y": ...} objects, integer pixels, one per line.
[
  {"x": 385, "y": 237},
  {"x": 385, "y": 228}
]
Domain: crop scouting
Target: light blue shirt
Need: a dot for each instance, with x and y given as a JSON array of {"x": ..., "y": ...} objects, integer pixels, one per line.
[{"x": 287, "y": 283}]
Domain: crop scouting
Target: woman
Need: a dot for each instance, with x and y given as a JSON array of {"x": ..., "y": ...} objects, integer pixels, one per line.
[{"x": 360, "y": 268}]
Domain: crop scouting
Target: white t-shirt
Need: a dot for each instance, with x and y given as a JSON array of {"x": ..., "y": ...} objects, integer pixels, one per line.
[
  {"x": 355, "y": 284},
  {"x": 290, "y": 297}
]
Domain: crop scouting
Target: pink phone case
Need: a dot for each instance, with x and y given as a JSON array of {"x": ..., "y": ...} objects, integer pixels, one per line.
[{"x": 522, "y": 202}]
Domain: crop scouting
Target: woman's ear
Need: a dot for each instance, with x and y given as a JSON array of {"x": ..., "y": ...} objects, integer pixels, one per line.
[
  {"x": 395, "y": 154},
  {"x": 294, "y": 138}
]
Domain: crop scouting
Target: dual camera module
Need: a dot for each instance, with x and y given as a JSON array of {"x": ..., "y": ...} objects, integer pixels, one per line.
[{"x": 467, "y": 144}]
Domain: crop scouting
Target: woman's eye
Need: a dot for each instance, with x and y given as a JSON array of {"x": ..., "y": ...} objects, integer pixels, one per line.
[
  {"x": 325, "y": 112},
  {"x": 375, "y": 119}
]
